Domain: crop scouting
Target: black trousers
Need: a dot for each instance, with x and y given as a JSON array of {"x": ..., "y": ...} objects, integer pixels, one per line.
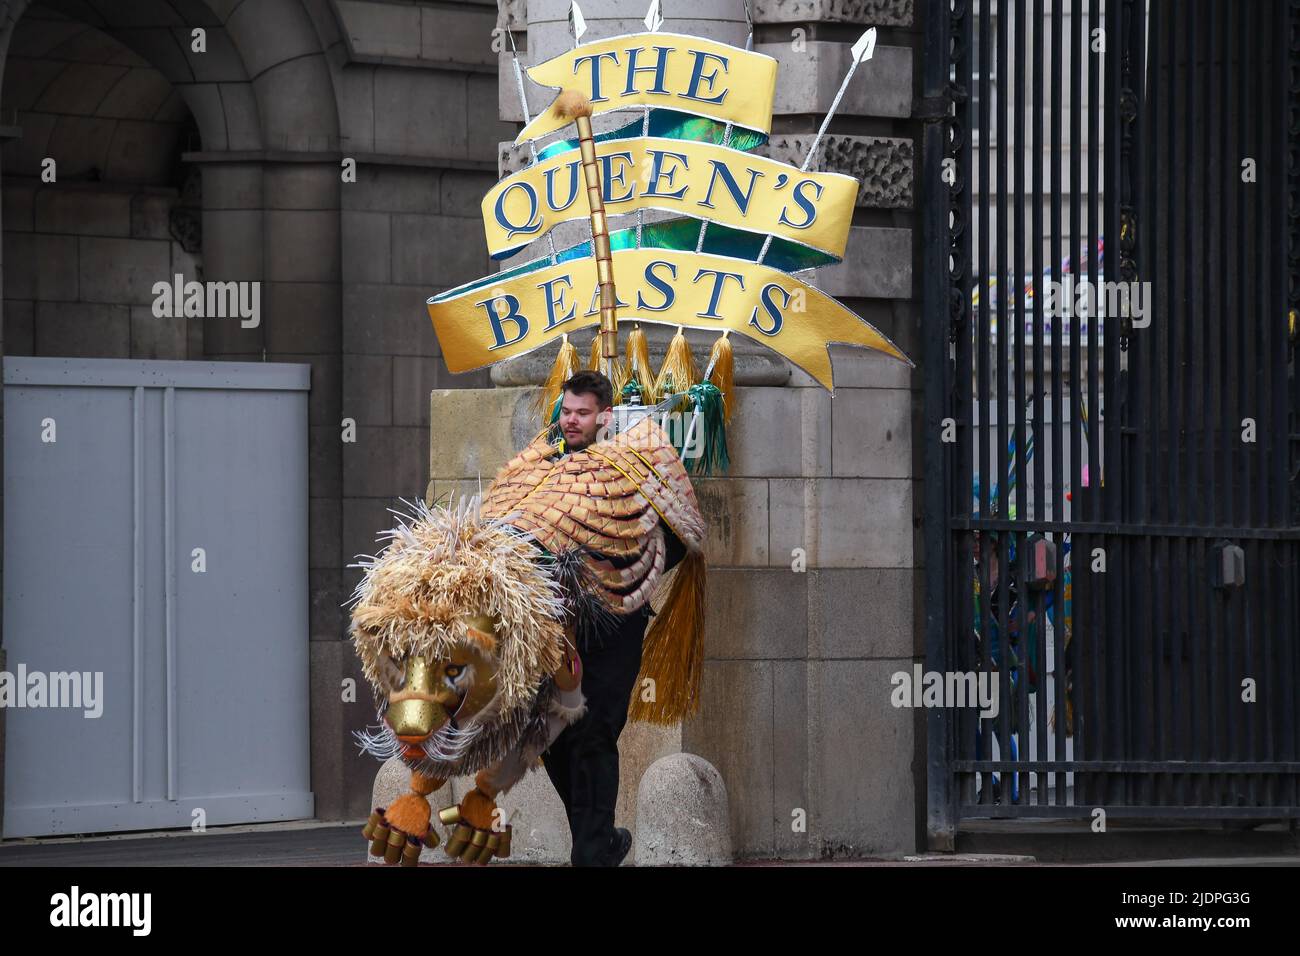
[{"x": 582, "y": 762}]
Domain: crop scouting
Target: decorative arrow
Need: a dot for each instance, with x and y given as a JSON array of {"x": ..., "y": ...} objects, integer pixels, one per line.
[
  {"x": 653, "y": 19},
  {"x": 577, "y": 25},
  {"x": 726, "y": 134},
  {"x": 862, "y": 50}
]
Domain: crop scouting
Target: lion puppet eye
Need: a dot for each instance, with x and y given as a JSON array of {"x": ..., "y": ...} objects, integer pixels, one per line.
[
  {"x": 393, "y": 671},
  {"x": 454, "y": 670}
]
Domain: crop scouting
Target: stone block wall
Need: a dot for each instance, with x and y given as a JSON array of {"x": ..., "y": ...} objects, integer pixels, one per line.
[
  {"x": 81, "y": 263},
  {"x": 811, "y": 608}
]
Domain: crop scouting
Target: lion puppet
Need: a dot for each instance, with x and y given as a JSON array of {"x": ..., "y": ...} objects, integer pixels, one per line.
[{"x": 465, "y": 624}]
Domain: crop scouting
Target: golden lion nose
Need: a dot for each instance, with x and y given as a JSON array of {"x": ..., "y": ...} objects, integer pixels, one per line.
[{"x": 414, "y": 712}]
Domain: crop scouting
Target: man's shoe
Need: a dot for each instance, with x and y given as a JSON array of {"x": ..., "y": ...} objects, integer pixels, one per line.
[{"x": 622, "y": 845}]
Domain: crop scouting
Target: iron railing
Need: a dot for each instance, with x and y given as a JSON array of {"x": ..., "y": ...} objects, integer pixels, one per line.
[{"x": 1154, "y": 143}]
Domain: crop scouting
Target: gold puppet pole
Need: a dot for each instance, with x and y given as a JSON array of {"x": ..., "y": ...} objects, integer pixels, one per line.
[{"x": 574, "y": 105}]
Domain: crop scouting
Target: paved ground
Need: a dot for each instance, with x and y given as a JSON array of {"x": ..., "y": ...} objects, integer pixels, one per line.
[
  {"x": 271, "y": 844},
  {"x": 340, "y": 844}
]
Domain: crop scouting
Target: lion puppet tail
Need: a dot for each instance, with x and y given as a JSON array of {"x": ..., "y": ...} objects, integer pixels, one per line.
[{"x": 672, "y": 659}]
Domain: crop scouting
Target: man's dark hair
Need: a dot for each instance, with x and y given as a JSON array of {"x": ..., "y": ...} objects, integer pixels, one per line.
[{"x": 587, "y": 382}]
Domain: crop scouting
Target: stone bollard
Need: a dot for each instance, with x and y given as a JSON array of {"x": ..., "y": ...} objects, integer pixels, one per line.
[
  {"x": 682, "y": 815},
  {"x": 532, "y": 808}
]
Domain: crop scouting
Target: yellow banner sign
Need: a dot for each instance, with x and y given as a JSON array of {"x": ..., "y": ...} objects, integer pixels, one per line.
[
  {"x": 701, "y": 180},
  {"x": 486, "y": 322},
  {"x": 666, "y": 70}
]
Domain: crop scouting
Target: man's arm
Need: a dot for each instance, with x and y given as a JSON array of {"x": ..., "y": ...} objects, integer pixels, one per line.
[{"x": 675, "y": 550}]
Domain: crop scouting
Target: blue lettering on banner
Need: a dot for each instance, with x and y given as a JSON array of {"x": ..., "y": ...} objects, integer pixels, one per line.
[
  {"x": 658, "y": 69},
  {"x": 532, "y": 222},
  {"x": 498, "y": 321},
  {"x": 804, "y": 203},
  {"x": 573, "y": 187},
  {"x": 552, "y": 301},
  {"x": 771, "y": 309},
  {"x": 666, "y": 290},
  {"x": 658, "y": 172},
  {"x": 595, "y": 59},
  {"x": 698, "y": 74},
  {"x": 608, "y": 178},
  {"x": 719, "y": 280},
  {"x": 740, "y": 199}
]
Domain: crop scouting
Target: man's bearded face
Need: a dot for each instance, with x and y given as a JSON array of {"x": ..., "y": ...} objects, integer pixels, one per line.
[{"x": 581, "y": 419}]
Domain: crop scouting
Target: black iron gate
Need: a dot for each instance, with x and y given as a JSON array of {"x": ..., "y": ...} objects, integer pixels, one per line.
[{"x": 1112, "y": 403}]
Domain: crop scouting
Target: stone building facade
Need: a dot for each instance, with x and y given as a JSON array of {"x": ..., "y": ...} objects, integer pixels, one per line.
[{"x": 336, "y": 151}]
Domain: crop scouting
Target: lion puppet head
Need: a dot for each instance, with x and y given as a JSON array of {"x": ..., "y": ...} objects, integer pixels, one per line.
[{"x": 460, "y": 628}]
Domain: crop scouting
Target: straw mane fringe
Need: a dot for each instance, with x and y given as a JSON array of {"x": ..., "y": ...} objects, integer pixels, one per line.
[
  {"x": 443, "y": 566},
  {"x": 596, "y": 362}
]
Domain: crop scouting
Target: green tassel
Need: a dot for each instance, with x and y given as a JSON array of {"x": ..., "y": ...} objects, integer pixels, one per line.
[{"x": 706, "y": 399}]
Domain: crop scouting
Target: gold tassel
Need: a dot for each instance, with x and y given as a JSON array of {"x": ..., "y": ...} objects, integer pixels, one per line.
[
  {"x": 620, "y": 378},
  {"x": 566, "y": 363},
  {"x": 638, "y": 364},
  {"x": 673, "y": 655},
  {"x": 593, "y": 359},
  {"x": 723, "y": 362},
  {"x": 678, "y": 363}
]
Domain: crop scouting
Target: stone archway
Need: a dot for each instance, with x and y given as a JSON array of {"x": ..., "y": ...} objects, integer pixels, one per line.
[
  {"x": 258, "y": 87},
  {"x": 98, "y": 204}
]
